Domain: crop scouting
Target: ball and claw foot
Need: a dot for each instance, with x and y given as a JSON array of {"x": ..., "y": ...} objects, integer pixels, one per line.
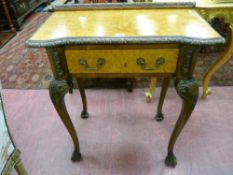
[
  {"x": 76, "y": 156},
  {"x": 84, "y": 115},
  {"x": 171, "y": 160},
  {"x": 159, "y": 117}
]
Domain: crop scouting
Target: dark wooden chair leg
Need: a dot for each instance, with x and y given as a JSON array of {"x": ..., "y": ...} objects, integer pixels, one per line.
[
  {"x": 188, "y": 91},
  {"x": 84, "y": 113},
  {"x": 57, "y": 91},
  {"x": 159, "y": 116}
]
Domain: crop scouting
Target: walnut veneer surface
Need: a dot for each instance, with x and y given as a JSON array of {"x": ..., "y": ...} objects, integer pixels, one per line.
[
  {"x": 121, "y": 59},
  {"x": 120, "y": 23}
]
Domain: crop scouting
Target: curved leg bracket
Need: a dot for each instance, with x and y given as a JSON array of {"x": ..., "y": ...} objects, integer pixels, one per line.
[
  {"x": 188, "y": 91},
  {"x": 57, "y": 91}
]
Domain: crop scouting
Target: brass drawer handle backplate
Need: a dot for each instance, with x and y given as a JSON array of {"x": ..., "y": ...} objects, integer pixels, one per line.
[
  {"x": 158, "y": 62},
  {"x": 100, "y": 62}
]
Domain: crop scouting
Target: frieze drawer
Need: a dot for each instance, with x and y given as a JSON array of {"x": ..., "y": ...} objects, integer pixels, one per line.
[{"x": 122, "y": 60}]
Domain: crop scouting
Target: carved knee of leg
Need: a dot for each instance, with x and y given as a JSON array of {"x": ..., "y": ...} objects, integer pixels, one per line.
[
  {"x": 188, "y": 90},
  {"x": 58, "y": 88}
]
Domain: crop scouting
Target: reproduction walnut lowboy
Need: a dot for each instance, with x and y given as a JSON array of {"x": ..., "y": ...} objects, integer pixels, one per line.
[{"x": 124, "y": 40}]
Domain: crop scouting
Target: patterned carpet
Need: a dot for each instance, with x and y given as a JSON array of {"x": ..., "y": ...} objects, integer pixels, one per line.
[
  {"x": 23, "y": 67},
  {"x": 27, "y": 68}
]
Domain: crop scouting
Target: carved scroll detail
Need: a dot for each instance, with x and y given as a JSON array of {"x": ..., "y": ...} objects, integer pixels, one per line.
[{"x": 58, "y": 64}]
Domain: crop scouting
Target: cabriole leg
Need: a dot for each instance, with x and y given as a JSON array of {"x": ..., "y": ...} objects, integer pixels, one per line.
[
  {"x": 57, "y": 91},
  {"x": 159, "y": 116},
  {"x": 84, "y": 113},
  {"x": 188, "y": 91}
]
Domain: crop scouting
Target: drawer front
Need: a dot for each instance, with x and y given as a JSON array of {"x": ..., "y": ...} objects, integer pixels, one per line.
[
  {"x": 122, "y": 61},
  {"x": 150, "y": 61},
  {"x": 93, "y": 61}
]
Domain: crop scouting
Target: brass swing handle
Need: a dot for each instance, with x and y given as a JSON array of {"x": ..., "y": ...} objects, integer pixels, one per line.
[
  {"x": 100, "y": 62},
  {"x": 158, "y": 62}
]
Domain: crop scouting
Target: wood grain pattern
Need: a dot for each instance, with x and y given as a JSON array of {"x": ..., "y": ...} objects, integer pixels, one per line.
[
  {"x": 120, "y": 23},
  {"x": 123, "y": 60}
]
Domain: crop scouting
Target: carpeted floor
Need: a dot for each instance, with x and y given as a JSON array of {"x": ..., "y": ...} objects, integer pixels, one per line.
[
  {"x": 121, "y": 137},
  {"x": 22, "y": 67}
]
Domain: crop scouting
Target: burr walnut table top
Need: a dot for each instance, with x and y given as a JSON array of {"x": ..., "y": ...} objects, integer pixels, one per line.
[{"x": 121, "y": 25}]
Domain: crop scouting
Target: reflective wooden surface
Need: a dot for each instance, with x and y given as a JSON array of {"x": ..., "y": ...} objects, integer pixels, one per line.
[{"x": 120, "y": 23}]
